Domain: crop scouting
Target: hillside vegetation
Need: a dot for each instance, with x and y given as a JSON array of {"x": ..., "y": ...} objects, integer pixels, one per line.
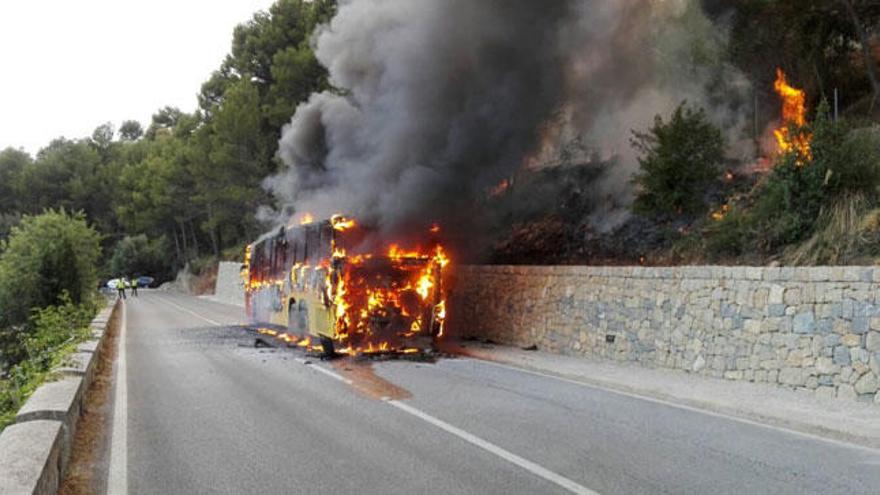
[{"x": 186, "y": 188}]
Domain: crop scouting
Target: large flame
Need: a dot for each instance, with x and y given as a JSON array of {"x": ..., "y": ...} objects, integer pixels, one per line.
[
  {"x": 409, "y": 297},
  {"x": 793, "y": 119}
]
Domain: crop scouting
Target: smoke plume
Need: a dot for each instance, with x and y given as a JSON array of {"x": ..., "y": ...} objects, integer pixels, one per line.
[{"x": 437, "y": 102}]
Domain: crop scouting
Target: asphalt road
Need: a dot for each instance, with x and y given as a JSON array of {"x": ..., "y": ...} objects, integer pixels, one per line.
[{"x": 201, "y": 410}]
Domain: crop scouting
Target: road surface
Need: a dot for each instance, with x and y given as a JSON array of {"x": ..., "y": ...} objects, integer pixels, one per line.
[{"x": 199, "y": 409}]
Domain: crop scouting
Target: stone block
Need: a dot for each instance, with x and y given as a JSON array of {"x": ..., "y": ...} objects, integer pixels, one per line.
[
  {"x": 88, "y": 346},
  {"x": 804, "y": 323},
  {"x": 752, "y": 326},
  {"x": 872, "y": 342},
  {"x": 867, "y": 384},
  {"x": 831, "y": 340},
  {"x": 851, "y": 340},
  {"x": 792, "y": 376},
  {"x": 859, "y": 324},
  {"x": 776, "y": 294},
  {"x": 30, "y": 458},
  {"x": 733, "y": 375},
  {"x": 79, "y": 364},
  {"x": 858, "y": 355},
  {"x": 826, "y": 366},
  {"x": 776, "y": 310},
  {"x": 825, "y": 392},
  {"x": 846, "y": 392},
  {"x": 841, "y": 356},
  {"x": 792, "y": 296},
  {"x": 58, "y": 401}
]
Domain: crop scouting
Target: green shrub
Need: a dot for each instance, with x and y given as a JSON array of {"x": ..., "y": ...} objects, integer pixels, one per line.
[
  {"x": 680, "y": 158},
  {"x": 46, "y": 256},
  {"x": 53, "y": 334},
  {"x": 138, "y": 255},
  {"x": 845, "y": 163},
  {"x": 729, "y": 237}
]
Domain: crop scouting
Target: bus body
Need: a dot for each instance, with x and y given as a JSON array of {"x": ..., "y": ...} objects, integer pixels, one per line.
[{"x": 313, "y": 283}]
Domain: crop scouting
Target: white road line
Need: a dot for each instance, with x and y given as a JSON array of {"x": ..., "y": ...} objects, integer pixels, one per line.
[
  {"x": 212, "y": 322},
  {"x": 708, "y": 412},
  {"x": 118, "y": 477},
  {"x": 494, "y": 449}
]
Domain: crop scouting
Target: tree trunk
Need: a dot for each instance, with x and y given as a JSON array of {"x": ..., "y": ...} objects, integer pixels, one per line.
[
  {"x": 193, "y": 231},
  {"x": 213, "y": 231},
  {"x": 177, "y": 253},
  {"x": 183, "y": 236},
  {"x": 870, "y": 63}
]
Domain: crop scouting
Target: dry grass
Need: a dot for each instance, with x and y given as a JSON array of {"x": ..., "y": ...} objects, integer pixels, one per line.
[
  {"x": 848, "y": 234},
  {"x": 86, "y": 473}
]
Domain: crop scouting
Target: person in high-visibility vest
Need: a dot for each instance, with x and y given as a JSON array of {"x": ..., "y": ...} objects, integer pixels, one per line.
[
  {"x": 120, "y": 287},
  {"x": 133, "y": 283}
]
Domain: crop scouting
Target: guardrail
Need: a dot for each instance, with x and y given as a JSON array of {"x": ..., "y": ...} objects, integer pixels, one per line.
[{"x": 34, "y": 452}]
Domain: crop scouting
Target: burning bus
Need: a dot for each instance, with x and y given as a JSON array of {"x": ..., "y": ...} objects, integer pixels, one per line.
[{"x": 331, "y": 285}]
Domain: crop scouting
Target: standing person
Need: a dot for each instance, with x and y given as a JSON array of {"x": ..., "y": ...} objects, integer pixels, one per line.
[
  {"x": 120, "y": 287},
  {"x": 134, "y": 286}
]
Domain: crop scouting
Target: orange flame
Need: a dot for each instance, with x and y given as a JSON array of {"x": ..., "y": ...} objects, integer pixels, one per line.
[
  {"x": 341, "y": 223},
  {"x": 377, "y": 302},
  {"x": 306, "y": 219},
  {"x": 793, "y": 116},
  {"x": 360, "y": 304},
  {"x": 720, "y": 213}
]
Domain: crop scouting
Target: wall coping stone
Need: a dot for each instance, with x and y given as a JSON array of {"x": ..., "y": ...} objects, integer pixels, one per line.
[
  {"x": 88, "y": 346},
  {"x": 79, "y": 364},
  {"x": 30, "y": 458},
  {"x": 845, "y": 274},
  {"x": 57, "y": 401}
]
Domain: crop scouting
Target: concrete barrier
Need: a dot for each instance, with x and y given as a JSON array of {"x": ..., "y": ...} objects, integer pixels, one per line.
[
  {"x": 31, "y": 458},
  {"x": 34, "y": 452},
  {"x": 57, "y": 401},
  {"x": 88, "y": 346},
  {"x": 229, "y": 288}
]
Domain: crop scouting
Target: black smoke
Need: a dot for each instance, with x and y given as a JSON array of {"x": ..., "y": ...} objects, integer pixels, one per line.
[{"x": 436, "y": 102}]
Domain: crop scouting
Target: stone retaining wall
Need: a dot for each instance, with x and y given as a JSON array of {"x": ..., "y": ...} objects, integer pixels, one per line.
[
  {"x": 34, "y": 451},
  {"x": 815, "y": 328}
]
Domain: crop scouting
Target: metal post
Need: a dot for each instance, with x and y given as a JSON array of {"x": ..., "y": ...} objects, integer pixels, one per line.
[
  {"x": 755, "y": 129},
  {"x": 835, "y": 104}
]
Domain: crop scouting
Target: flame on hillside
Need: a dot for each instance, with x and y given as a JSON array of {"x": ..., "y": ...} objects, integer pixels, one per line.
[{"x": 790, "y": 135}]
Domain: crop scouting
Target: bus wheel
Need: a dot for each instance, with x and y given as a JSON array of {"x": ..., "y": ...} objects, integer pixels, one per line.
[{"x": 327, "y": 345}]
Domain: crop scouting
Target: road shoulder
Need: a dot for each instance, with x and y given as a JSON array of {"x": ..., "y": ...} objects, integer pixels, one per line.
[{"x": 802, "y": 412}]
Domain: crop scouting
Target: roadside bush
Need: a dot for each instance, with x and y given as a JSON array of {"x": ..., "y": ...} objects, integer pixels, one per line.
[
  {"x": 138, "y": 255},
  {"x": 799, "y": 195},
  {"x": 46, "y": 256},
  {"x": 54, "y": 332},
  {"x": 680, "y": 158},
  {"x": 727, "y": 238}
]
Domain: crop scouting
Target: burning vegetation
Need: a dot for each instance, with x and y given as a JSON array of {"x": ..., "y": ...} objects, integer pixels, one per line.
[
  {"x": 333, "y": 287},
  {"x": 791, "y": 136}
]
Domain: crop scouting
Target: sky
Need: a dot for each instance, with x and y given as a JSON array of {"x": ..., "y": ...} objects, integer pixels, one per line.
[{"x": 67, "y": 66}]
